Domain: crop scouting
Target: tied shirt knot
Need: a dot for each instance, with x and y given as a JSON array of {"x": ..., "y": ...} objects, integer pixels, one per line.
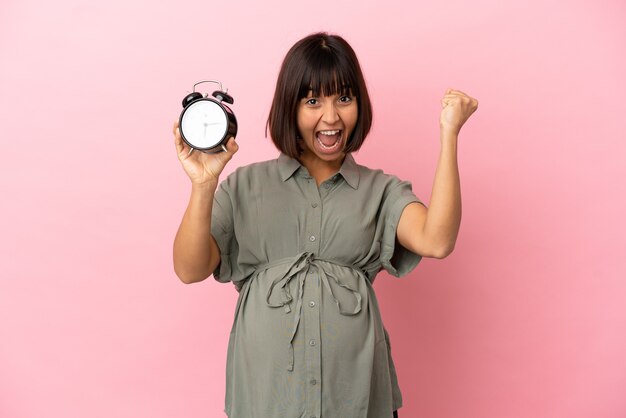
[{"x": 298, "y": 268}]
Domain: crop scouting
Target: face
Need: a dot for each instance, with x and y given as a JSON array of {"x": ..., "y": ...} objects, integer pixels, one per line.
[{"x": 325, "y": 123}]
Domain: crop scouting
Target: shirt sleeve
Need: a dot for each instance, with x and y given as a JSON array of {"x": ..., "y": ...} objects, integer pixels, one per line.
[
  {"x": 222, "y": 229},
  {"x": 395, "y": 259}
]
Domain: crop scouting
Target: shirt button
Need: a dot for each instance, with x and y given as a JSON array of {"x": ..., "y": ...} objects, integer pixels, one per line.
[
  {"x": 312, "y": 342},
  {"x": 312, "y": 238},
  {"x": 314, "y": 205},
  {"x": 311, "y": 304},
  {"x": 313, "y": 381}
]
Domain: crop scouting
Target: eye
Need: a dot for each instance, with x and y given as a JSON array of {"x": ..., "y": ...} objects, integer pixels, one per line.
[
  {"x": 345, "y": 99},
  {"x": 311, "y": 102}
]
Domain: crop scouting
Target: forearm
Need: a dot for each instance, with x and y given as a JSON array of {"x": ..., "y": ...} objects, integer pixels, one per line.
[
  {"x": 444, "y": 214},
  {"x": 195, "y": 252}
]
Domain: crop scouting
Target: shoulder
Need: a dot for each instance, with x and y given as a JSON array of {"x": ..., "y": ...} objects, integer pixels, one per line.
[
  {"x": 247, "y": 176},
  {"x": 258, "y": 167},
  {"x": 379, "y": 178}
]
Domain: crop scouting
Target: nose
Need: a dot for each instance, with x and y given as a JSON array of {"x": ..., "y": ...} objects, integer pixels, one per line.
[{"x": 330, "y": 115}]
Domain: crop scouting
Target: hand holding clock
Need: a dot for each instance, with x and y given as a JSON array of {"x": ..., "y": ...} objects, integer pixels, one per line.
[{"x": 203, "y": 168}]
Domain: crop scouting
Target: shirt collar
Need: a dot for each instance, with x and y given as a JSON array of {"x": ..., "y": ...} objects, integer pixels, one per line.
[
  {"x": 287, "y": 166},
  {"x": 349, "y": 170}
]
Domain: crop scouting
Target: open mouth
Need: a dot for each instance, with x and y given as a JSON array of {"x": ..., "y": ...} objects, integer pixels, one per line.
[{"x": 330, "y": 140}]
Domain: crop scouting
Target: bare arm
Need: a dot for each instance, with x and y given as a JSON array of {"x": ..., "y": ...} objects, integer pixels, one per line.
[
  {"x": 433, "y": 232},
  {"x": 196, "y": 254}
]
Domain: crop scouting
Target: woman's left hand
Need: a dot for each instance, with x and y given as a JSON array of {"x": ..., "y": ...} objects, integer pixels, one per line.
[{"x": 457, "y": 108}]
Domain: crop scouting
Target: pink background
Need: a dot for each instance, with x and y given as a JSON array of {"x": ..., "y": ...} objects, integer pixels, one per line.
[{"x": 527, "y": 318}]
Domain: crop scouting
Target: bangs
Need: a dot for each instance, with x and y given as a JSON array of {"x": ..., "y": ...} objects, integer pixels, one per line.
[
  {"x": 326, "y": 74},
  {"x": 323, "y": 65}
]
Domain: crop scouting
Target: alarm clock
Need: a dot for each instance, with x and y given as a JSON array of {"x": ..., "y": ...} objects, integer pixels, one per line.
[{"x": 206, "y": 122}]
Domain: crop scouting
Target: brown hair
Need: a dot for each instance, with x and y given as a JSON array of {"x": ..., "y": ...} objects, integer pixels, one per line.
[{"x": 325, "y": 64}]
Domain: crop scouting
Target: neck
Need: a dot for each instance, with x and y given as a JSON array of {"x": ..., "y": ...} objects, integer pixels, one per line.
[{"x": 320, "y": 169}]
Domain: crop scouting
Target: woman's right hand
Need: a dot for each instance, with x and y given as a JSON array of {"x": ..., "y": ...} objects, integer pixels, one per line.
[{"x": 201, "y": 167}]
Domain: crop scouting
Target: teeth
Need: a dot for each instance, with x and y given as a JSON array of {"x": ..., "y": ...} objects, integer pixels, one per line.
[
  {"x": 329, "y": 132},
  {"x": 327, "y": 147}
]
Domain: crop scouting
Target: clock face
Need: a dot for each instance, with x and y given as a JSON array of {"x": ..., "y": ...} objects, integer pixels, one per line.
[{"x": 204, "y": 124}]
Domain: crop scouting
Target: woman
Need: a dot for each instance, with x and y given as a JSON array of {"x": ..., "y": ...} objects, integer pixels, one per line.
[{"x": 303, "y": 236}]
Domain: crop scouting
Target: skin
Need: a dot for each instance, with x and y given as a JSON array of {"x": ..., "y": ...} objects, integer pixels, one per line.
[
  {"x": 324, "y": 113},
  {"x": 195, "y": 253},
  {"x": 430, "y": 232}
]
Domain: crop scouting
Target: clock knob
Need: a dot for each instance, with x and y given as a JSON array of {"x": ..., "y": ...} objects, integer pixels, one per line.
[
  {"x": 191, "y": 97},
  {"x": 221, "y": 96}
]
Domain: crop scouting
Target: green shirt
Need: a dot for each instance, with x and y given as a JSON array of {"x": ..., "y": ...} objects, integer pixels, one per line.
[{"x": 307, "y": 338}]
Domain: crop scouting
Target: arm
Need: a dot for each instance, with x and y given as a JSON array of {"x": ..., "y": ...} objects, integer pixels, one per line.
[
  {"x": 432, "y": 232},
  {"x": 196, "y": 253}
]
